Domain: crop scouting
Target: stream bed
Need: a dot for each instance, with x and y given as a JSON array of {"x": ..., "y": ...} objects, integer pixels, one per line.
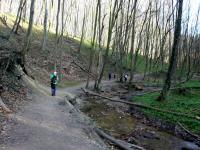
[{"x": 115, "y": 119}]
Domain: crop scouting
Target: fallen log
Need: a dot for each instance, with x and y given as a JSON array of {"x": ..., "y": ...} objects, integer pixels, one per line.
[
  {"x": 175, "y": 88},
  {"x": 83, "y": 69},
  {"x": 141, "y": 94},
  {"x": 5, "y": 108},
  {"x": 141, "y": 106},
  {"x": 188, "y": 132},
  {"x": 119, "y": 143}
]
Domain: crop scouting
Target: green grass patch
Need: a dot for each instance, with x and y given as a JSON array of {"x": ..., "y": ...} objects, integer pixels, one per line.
[
  {"x": 186, "y": 104},
  {"x": 191, "y": 83}
]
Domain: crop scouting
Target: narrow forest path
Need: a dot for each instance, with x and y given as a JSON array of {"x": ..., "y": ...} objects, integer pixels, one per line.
[
  {"x": 76, "y": 89},
  {"x": 48, "y": 123}
]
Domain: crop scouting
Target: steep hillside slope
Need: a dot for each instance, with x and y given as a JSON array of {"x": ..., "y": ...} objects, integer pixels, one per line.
[{"x": 40, "y": 63}]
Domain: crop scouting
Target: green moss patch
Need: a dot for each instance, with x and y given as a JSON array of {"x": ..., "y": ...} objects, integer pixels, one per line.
[{"x": 187, "y": 104}]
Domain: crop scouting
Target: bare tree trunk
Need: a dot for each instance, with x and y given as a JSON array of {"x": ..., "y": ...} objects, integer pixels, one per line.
[
  {"x": 93, "y": 43},
  {"x": 132, "y": 42},
  {"x": 45, "y": 25},
  {"x": 139, "y": 44},
  {"x": 24, "y": 12},
  {"x": 173, "y": 59},
  {"x": 83, "y": 32},
  {"x": 62, "y": 21},
  {"x": 19, "y": 17},
  {"x": 100, "y": 59},
  {"x": 146, "y": 50},
  {"x": 76, "y": 24},
  {"x": 29, "y": 32},
  {"x": 57, "y": 18},
  {"x": 112, "y": 20},
  {"x": 121, "y": 45}
]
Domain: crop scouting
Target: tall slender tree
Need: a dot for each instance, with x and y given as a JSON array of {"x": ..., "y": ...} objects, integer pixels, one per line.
[
  {"x": 133, "y": 42},
  {"x": 45, "y": 25},
  {"x": 18, "y": 17},
  {"x": 29, "y": 32},
  {"x": 93, "y": 42},
  {"x": 57, "y": 17},
  {"x": 112, "y": 20},
  {"x": 173, "y": 58},
  {"x": 83, "y": 31}
]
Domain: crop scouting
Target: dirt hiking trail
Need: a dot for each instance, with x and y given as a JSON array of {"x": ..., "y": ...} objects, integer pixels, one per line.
[{"x": 48, "y": 123}]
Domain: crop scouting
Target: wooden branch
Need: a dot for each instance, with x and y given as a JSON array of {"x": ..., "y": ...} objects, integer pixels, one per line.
[
  {"x": 153, "y": 91},
  {"x": 119, "y": 143},
  {"x": 83, "y": 69},
  {"x": 142, "y": 106},
  {"x": 187, "y": 131},
  {"x": 5, "y": 108}
]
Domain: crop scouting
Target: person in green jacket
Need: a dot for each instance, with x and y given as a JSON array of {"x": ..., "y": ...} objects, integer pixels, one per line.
[{"x": 54, "y": 79}]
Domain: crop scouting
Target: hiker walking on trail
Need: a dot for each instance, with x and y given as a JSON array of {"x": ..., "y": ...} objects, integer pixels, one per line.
[
  {"x": 54, "y": 79},
  {"x": 110, "y": 76},
  {"x": 125, "y": 77}
]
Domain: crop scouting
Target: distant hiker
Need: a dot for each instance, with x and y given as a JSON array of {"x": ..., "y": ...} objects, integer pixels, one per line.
[
  {"x": 110, "y": 76},
  {"x": 125, "y": 77},
  {"x": 54, "y": 79},
  {"x": 114, "y": 76}
]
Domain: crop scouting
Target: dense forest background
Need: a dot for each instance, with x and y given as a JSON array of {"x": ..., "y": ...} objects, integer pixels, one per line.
[
  {"x": 164, "y": 33},
  {"x": 134, "y": 64}
]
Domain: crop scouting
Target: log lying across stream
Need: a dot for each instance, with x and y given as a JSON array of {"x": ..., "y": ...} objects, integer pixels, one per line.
[
  {"x": 119, "y": 143},
  {"x": 140, "y": 105},
  {"x": 159, "y": 90}
]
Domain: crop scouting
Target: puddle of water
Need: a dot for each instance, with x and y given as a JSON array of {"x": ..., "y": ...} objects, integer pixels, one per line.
[{"x": 122, "y": 125}]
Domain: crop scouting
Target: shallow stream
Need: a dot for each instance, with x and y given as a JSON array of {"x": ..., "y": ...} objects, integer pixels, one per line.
[{"x": 117, "y": 121}]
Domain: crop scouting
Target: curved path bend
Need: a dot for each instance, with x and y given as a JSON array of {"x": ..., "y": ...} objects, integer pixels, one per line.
[{"x": 48, "y": 123}]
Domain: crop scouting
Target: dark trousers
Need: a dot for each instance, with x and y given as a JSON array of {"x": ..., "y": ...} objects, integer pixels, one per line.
[{"x": 53, "y": 90}]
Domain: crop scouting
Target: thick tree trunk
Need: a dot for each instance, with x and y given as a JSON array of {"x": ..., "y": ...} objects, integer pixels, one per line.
[{"x": 173, "y": 59}]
